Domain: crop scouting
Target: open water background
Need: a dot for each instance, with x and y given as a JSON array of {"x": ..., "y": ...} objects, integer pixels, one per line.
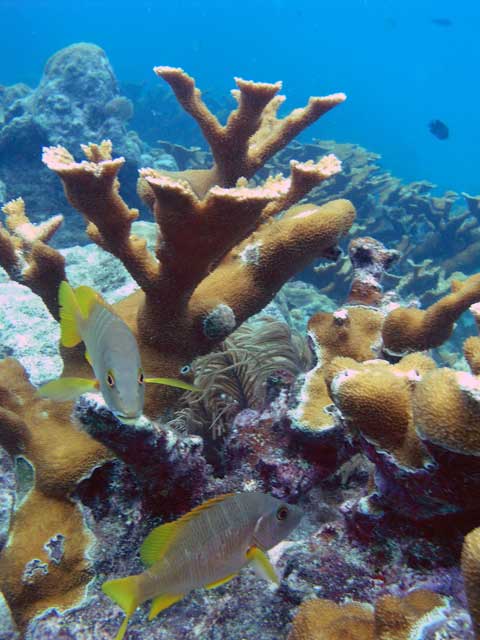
[{"x": 399, "y": 69}]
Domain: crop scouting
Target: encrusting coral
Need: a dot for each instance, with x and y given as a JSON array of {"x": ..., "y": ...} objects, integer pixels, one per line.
[
  {"x": 36, "y": 429},
  {"x": 222, "y": 253}
]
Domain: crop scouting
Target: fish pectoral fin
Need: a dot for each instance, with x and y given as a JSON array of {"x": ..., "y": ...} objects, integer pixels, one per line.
[
  {"x": 262, "y": 565},
  {"x": 162, "y": 602},
  {"x": 64, "y": 389},
  {"x": 88, "y": 358},
  {"x": 173, "y": 382},
  {"x": 218, "y": 583}
]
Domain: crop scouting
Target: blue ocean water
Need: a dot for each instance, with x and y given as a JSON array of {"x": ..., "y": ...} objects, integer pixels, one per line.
[{"x": 402, "y": 64}]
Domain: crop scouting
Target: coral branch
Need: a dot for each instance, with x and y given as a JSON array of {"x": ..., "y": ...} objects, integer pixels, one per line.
[
  {"x": 407, "y": 330},
  {"x": 263, "y": 262},
  {"x": 92, "y": 188},
  {"x": 253, "y": 133},
  {"x": 27, "y": 258}
]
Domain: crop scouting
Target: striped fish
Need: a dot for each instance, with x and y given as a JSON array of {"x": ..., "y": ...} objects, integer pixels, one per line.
[
  {"x": 206, "y": 547},
  {"x": 111, "y": 350}
]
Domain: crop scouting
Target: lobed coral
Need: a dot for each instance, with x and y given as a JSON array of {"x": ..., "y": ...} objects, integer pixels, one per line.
[{"x": 392, "y": 619}]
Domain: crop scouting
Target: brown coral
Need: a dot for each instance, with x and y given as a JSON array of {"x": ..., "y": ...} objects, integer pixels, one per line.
[
  {"x": 393, "y": 618},
  {"x": 221, "y": 254},
  {"x": 376, "y": 399},
  {"x": 471, "y": 576},
  {"x": 36, "y": 430},
  {"x": 407, "y": 330},
  {"x": 453, "y": 423},
  {"x": 325, "y": 620},
  {"x": 26, "y": 257}
]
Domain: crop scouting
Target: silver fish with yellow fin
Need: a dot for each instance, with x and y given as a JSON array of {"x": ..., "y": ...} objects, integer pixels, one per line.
[
  {"x": 111, "y": 350},
  {"x": 206, "y": 547}
]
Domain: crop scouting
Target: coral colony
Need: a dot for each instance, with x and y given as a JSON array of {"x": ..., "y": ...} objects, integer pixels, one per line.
[{"x": 363, "y": 418}]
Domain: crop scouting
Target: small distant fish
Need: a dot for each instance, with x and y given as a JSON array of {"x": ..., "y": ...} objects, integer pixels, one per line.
[
  {"x": 206, "y": 547},
  {"x": 439, "y": 129},
  {"x": 442, "y": 22},
  {"x": 111, "y": 350}
]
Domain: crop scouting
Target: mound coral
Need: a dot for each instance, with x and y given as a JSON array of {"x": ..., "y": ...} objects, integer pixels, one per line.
[
  {"x": 223, "y": 251},
  {"x": 393, "y": 618},
  {"x": 417, "y": 423},
  {"x": 471, "y": 575}
]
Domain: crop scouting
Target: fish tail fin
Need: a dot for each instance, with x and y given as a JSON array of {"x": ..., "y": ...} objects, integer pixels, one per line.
[
  {"x": 125, "y": 592},
  {"x": 123, "y": 628},
  {"x": 70, "y": 314}
]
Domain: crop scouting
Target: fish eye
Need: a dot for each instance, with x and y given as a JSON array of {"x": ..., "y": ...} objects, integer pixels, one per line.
[
  {"x": 185, "y": 369},
  {"x": 110, "y": 378},
  {"x": 141, "y": 377},
  {"x": 282, "y": 513}
]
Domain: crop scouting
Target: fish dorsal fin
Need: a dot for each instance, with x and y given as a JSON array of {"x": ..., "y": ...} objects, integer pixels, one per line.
[
  {"x": 87, "y": 298},
  {"x": 162, "y": 602},
  {"x": 69, "y": 312},
  {"x": 156, "y": 543},
  {"x": 208, "y": 504},
  {"x": 159, "y": 540}
]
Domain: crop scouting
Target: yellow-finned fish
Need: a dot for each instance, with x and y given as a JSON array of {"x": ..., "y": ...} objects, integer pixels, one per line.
[
  {"x": 111, "y": 350},
  {"x": 205, "y": 548}
]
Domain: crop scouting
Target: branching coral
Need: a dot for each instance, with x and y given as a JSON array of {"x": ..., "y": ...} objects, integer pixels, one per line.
[
  {"x": 224, "y": 249},
  {"x": 26, "y": 256},
  {"x": 417, "y": 423},
  {"x": 406, "y": 330},
  {"x": 221, "y": 254}
]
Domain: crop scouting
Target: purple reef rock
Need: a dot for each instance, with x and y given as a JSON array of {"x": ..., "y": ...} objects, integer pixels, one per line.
[{"x": 170, "y": 468}]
